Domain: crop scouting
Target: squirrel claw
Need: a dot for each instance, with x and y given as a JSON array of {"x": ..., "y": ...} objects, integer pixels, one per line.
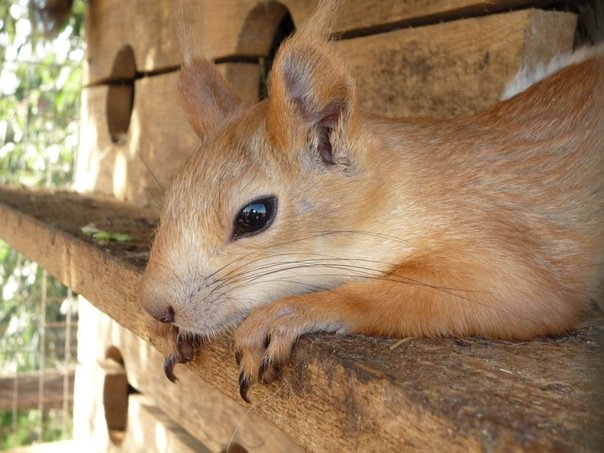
[
  {"x": 244, "y": 386},
  {"x": 263, "y": 344},
  {"x": 169, "y": 364},
  {"x": 186, "y": 349},
  {"x": 185, "y": 352}
]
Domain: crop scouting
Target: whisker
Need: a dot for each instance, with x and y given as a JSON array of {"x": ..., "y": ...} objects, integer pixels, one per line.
[
  {"x": 407, "y": 281},
  {"x": 329, "y": 262},
  {"x": 305, "y": 238},
  {"x": 172, "y": 271},
  {"x": 234, "y": 274},
  {"x": 140, "y": 156},
  {"x": 154, "y": 197},
  {"x": 256, "y": 266}
]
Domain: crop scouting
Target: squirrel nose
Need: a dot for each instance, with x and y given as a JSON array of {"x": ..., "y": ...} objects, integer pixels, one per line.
[
  {"x": 168, "y": 316},
  {"x": 164, "y": 314}
]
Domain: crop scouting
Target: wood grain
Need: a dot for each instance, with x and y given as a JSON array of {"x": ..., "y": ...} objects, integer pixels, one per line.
[
  {"x": 456, "y": 67},
  {"x": 232, "y": 29},
  {"x": 439, "y": 70},
  {"x": 27, "y": 386},
  {"x": 210, "y": 417},
  {"x": 140, "y": 164},
  {"x": 342, "y": 393}
]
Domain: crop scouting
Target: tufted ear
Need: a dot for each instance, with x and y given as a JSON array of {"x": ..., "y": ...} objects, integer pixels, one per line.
[
  {"x": 205, "y": 96},
  {"x": 310, "y": 92}
]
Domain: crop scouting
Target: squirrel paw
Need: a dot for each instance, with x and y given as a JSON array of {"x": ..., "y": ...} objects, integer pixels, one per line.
[{"x": 264, "y": 341}]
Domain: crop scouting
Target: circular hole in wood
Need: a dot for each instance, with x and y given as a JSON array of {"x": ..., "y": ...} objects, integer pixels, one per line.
[
  {"x": 115, "y": 394},
  {"x": 120, "y": 96},
  {"x": 265, "y": 27},
  {"x": 234, "y": 447},
  {"x": 284, "y": 28}
]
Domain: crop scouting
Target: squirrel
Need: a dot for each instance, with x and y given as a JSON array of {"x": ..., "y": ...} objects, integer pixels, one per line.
[{"x": 303, "y": 213}]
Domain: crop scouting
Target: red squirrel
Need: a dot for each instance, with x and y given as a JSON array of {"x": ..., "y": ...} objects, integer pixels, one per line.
[{"x": 303, "y": 213}]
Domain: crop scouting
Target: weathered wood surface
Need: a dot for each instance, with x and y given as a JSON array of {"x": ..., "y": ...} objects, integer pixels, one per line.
[
  {"x": 210, "y": 417},
  {"x": 342, "y": 393},
  {"x": 107, "y": 419},
  {"x": 157, "y": 433},
  {"x": 441, "y": 70},
  {"x": 365, "y": 16},
  {"x": 27, "y": 385},
  {"x": 455, "y": 67},
  {"x": 138, "y": 162},
  {"x": 159, "y": 137},
  {"x": 232, "y": 29}
]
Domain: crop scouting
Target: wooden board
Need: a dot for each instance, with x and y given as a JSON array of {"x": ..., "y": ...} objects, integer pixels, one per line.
[
  {"x": 343, "y": 393},
  {"x": 104, "y": 425},
  {"x": 156, "y": 432},
  {"x": 232, "y": 29},
  {"x": 210, "y": 417},
  {"x": 27, "y": 386},
  {"x": 456, "y": 67},
  {"x": 140, "y": 162},
  {"x": 438, "y": 70}
]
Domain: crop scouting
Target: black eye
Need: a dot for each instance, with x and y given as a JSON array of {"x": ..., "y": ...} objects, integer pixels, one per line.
[{"x": 254, "y": 217}]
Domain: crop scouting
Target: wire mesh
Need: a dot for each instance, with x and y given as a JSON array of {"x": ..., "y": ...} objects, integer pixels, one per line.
[{"x": 40, "y": 84}]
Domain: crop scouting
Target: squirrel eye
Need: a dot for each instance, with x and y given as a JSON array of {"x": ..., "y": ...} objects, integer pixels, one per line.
[{"x": 254, "y": 217}]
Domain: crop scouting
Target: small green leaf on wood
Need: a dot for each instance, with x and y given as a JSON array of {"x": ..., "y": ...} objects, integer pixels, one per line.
[{"x": 102, "y": 235}]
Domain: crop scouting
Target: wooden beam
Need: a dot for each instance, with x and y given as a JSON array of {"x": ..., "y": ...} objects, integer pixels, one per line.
[
  {"x": 27, "y": 390},
  {"x": 239, "y": 28},
  {"x": 342, "y": 393},
  {"x": 151, "y": 137},
  {"x": 453, "y": 68},
  {"x": 438, "y": 70},
  {"x": 210, "y": 417}
]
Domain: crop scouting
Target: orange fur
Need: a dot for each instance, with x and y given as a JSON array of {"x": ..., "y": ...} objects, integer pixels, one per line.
[{"x": 489, "y": 225}]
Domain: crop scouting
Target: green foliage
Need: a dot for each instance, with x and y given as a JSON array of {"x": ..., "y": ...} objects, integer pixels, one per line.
[
  {"x": 40, "y": 86},
  {"x": 39, "y": 114},
  {"x": 21, "y": 284},
  {"x": 27, "y": 426}
]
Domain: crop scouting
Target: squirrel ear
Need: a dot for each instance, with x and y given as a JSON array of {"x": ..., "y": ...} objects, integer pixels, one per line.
[
  {"x": 204, "y": 95},
  {"x": 309, "y": 89}
]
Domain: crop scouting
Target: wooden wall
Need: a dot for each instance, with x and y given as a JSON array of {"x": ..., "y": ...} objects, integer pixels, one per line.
[{"x": 408, "y": 57}]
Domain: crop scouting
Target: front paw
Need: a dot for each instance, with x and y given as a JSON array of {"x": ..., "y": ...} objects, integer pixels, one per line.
[{"x": 263, "y": 344}]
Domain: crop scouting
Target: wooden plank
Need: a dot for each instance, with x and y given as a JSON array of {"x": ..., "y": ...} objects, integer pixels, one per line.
[
  {"x": 237, "y": 28},
  {"x": 145, "y": 156},
  {"x": 157, "y": 137},
  {"x": 151, "y": 430},
  {"x": 108, "y": 419},
  {"x": 149, "y": 29},
  {"x": 362, "y": 17},
  {"x": 343, "y": 393},
  {"x": 210, "y": 417},
  {"x": 63, "y": 446},
  {"x": 438, "y": 70},
  {"x": 27, "y": 390},
  {"x": 456, "y": 67}
]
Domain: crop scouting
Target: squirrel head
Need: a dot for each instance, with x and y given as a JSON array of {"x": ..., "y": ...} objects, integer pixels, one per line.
[{"x": 262, "y": 209}]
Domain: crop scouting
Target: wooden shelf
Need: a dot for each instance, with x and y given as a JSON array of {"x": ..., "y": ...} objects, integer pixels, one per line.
[{"x": 342, "y": 393}]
